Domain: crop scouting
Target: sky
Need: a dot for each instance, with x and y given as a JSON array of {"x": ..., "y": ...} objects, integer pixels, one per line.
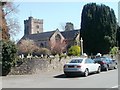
[{"x": 54, "y": 14}]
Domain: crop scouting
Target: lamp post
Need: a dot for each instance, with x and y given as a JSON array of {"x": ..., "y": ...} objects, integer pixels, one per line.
[{"x": 81, "y": 44}]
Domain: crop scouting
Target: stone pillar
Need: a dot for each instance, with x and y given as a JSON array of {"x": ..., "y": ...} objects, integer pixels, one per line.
[{"x": 81, "y": 45}]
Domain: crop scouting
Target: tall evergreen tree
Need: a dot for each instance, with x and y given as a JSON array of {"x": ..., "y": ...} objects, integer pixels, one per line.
[
  {"x": 98, "y": 28},
  {"x": 118, "y": 37}
]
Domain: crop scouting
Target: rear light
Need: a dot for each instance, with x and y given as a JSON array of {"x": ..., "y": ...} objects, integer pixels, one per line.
[
  {"x": 103, "y": 62},
  {"x": 65, "y": 66},
  {"x": 77, "y": 66}
]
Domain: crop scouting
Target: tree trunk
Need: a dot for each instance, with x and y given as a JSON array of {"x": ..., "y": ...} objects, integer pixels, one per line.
[{"x": 4, "y": 34}]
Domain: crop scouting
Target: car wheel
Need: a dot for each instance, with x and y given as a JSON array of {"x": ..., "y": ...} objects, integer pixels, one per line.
[
  {"x": 86, "y": 73},
  {"x": 115, "y": 66},
  {"x": 99, "y": 70}
]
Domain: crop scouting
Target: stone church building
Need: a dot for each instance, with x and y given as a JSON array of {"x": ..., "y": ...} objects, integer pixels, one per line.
[{"x": 33, "y": 29}]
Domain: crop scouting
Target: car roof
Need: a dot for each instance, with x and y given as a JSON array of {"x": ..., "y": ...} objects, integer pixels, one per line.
[{"x": 79, "y": 58}]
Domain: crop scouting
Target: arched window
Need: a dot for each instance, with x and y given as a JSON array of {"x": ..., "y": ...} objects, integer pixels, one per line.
[{"x": 57, "y": 37}]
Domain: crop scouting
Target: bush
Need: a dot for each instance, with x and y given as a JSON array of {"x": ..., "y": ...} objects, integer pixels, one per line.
[
  {"x": 74, "y": 50},
  {"x": 41, "y": 51},
  {"x": 9, "y": 53},
  {"x": 114, "y": 51},
  {"x": 63, "y": 56},
  {"x": 45, "y": 51}
]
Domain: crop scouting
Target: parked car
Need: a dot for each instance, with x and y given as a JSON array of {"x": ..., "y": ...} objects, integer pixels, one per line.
[
  {"x": 106, "y": 63},
  {"x": 81, "y": 66},
  {"x": 116, "y": 63}
]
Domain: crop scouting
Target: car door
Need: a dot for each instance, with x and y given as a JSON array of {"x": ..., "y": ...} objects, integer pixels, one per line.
[
  {"x": 88, "y": 64},
  {"x": 112, "y": 63},
  {"x": 109, "y": 63},
  {"x": 94, "y": 66}
]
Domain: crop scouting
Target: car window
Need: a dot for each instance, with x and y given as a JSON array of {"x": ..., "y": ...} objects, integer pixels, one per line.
[
  {"x": 92, "y": 61},
  {"x": 88, "y": 61},
  {"x": 107, "y": 59},
  {"x": 76, "y": 61},
  {"x": 99, "y": 59}
]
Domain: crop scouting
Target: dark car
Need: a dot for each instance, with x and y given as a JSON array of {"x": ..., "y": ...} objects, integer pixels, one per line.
[{"x": 106, "y": 63}]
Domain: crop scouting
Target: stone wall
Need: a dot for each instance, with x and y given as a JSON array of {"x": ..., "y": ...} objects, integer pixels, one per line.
[{"x": 34, "y": 66}]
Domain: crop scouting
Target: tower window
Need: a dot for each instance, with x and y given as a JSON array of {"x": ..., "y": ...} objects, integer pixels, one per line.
[
  {"x": 37, "y": 31},
  {"x": 37, "y": 26}
]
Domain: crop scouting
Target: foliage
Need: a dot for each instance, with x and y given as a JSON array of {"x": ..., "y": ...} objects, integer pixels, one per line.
[
  {"x": 9, "y": 50},
  {"x": 98, "y": 28},
  {"x": 41, "y": 51},
  {"x": 63, "y": 56},
  {"x": 114, "y": 51},
  {"x": 118, "y": 37},
  {"x": 74, "y": 50}
]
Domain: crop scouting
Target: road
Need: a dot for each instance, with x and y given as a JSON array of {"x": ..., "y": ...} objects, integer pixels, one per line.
[{"x": 59, "y": 80}]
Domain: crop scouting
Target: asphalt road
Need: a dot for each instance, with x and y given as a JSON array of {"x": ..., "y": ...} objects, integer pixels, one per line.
[{"x": 59, "y": 80}]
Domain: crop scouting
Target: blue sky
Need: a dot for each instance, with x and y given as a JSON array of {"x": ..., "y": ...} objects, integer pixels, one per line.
[{"x": 54, "y": 14}]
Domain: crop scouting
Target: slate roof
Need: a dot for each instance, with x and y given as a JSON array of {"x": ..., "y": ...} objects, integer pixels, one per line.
[
  {"x": 70, "y": 35},
  {"x": 46, "y": 35},
  {"x": 39, "y": 36}
]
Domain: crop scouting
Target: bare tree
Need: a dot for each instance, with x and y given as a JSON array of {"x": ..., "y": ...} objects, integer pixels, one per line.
[
  {"x": 9, "y": 20},
  {"x": 27, "y": 46},
  {"x": 58, "y": 47}
]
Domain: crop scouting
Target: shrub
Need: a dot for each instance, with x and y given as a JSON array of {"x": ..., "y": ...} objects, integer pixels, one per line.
[
  {"x": 114, "y": 51},
  {"x": 41, "y": 51},
  {"x": 45, "y": 51},
  {"x": 62, "y": 56},
  {"x": 74, "y": 50},
  {"x": 9, "y": 51}
]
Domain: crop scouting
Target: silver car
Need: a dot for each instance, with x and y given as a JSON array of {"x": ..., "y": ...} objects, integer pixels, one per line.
[{"x": 82, "y": 66}]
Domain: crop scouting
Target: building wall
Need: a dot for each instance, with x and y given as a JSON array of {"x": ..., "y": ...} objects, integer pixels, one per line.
[
  {"x": 36, "y": 26},
  {"x": 69, "y": 26},
  {"x": 119, "y": 13},
  {"x": 77, "y": 40},
  {"x": 53, "y": 43},
  {"x": 33, "y": 26}
]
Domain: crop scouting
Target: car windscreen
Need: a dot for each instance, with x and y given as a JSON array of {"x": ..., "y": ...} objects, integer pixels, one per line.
[
  {"x": 76, "y": 61},
  {"x": 99, "y": 59}
]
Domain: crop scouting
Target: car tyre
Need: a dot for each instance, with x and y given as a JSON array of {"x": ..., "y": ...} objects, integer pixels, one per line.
[
  {"x": 106, "y": 69},
  {"x": 86, "y": 73},
  {"x": 115, "y": 66},
  {"x": 99, "y": 70}
]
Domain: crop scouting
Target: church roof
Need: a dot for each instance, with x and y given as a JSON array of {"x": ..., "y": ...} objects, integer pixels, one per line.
[
  {"x": 70, "y": 35},
  {"x": 39, "y": 36}
]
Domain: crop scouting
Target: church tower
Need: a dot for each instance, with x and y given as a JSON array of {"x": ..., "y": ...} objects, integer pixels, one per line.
[{"x": 33, "y": 26}]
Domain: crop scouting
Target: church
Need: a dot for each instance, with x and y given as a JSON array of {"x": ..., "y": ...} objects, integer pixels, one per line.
[{"x": 33, "y": 30}]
